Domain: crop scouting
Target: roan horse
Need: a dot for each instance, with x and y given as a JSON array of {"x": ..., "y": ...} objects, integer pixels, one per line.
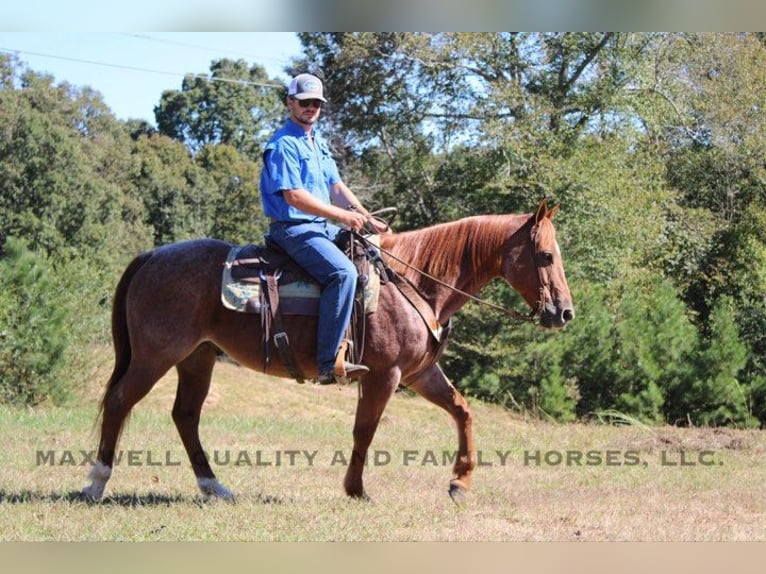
[{"x": 167, "y": 312}]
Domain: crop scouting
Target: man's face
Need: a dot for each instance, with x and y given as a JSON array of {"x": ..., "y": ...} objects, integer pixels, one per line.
[{"x": 305, "y": 112}]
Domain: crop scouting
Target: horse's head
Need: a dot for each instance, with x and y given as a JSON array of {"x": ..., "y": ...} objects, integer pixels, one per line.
[{"x": 538, "y": 270}]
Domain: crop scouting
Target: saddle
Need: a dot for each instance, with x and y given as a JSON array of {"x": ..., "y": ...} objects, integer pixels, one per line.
[{"x": 265, "y": 280}]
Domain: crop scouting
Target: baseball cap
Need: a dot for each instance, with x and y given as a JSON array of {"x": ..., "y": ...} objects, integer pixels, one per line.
[{"x": 306, "y": 86}]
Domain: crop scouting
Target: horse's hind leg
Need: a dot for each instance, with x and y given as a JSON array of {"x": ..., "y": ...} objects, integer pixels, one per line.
[
  {"x": 120, "y": 398},
  {"x": 433, "y": 385},
  {"x": 194, "y": 375}
]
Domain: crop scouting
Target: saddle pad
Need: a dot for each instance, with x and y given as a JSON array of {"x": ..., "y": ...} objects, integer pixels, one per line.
[{"x": 295, "y": 298}]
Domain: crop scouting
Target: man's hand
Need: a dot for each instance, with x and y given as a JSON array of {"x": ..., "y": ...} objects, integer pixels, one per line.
[
  {"x": 353, "y": 220},
  {"x": 376, "y": 225}
]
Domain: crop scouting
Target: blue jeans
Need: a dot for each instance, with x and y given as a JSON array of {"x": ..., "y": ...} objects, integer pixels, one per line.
[{"x": 312, "y": 246}]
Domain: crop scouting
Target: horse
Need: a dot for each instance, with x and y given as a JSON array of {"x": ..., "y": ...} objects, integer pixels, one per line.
[{"x": 167, "y": 312}]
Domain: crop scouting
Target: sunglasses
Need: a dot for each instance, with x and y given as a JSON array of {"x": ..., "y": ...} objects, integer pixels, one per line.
[{"x": 312, "y": 103}]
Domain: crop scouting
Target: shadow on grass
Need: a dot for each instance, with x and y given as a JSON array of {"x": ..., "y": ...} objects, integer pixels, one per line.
[{"x": 128, "y": 499}]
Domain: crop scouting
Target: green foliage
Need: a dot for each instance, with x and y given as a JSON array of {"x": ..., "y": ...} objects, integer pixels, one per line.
[
  {"x": 235, "y": 105},
  {"x": 64, "y": 160},
  {"x": 714, "y": 396},
  {"x": 733, "y": 277},
  {"x": 611, "y": 194},
  {"x": 213, "y": 194},
  {"x": 655, "y": 342},
  {"x": 235, "y": 213},
  {"x": 175, "y": 192},
  {"x": 652, "y": 143},
  {"x": 557, "y": 396},
  {"x": 32, "y": 328},
  {"x": 632, "y": 349}
]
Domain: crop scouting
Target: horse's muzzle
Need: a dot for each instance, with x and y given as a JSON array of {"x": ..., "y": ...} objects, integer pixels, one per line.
[{"x": 556, "y": 316}]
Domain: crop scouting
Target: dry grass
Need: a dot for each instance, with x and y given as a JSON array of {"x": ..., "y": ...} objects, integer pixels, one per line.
[{"x": 652, "y": 498}]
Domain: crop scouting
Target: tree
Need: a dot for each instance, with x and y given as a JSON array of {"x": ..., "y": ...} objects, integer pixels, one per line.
[
  {"x": 32, "y": 328},
  {"x": 652, "y": 143},
  {"x": 711, "y": 87},
  {"x": 409, "y": 105},
  {"x": 715, "y": 396},
  {"x": 64, "y": 162},
  {"x": 236, "y": 210},
  {"x": 179, "y": 197},
  {"x": 235, "y": 105}
]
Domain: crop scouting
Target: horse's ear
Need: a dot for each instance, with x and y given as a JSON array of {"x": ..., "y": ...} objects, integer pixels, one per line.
[
  {"x": 542, "y": 209},
  {"x": 553, "y": 211}
]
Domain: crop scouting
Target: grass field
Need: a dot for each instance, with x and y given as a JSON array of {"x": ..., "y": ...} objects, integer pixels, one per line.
[{"x": 281, "y": 448}]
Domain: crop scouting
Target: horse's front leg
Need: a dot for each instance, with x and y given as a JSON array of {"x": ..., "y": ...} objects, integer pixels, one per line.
[
  {"x": 433, "y": 385},
  {"x": 374, "y": 393}
]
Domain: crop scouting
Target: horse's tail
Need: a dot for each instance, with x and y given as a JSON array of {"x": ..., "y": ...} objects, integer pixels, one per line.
[{"x": 120, "y": 332}]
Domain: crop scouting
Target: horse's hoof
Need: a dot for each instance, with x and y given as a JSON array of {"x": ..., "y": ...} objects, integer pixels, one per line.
[
  {"x": 364, "y": 497},
  {"x": 457, "y": 493},
  {"x": 367, "y": 498},
  {"x": 90, "y": 496},
  {"x": 92, "y": 493},
  {"x": 211, "y": 488}
]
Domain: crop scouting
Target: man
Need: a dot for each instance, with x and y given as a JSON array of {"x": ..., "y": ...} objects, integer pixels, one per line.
[{"x": 301, "y": 190}]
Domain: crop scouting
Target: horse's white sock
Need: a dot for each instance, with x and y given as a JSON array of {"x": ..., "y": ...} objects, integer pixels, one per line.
[
  {"x": 99, "y": 475},
  {"x": 211, "y": 487}
]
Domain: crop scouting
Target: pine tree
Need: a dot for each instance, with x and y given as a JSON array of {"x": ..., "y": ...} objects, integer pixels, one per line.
[{"x": 32, "y": 328}]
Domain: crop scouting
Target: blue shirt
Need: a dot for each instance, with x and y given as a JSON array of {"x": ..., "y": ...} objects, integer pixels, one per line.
[{"x": 291, "y": 162}]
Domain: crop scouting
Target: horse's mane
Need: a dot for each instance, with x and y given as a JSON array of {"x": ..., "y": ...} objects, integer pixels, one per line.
[
  {"x": 440, "y": 250},
  {"x": 545, "y": 236}
]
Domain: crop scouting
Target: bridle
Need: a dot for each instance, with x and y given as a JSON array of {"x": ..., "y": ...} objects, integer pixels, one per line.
[
  {"x": 517, "y": 315},
  {"x": 543, "y": 259}
]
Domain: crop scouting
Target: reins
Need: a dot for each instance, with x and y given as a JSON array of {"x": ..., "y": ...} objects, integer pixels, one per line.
[{"x": 519, "y": 316}]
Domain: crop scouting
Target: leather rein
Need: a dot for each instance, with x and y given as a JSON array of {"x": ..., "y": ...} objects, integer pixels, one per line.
[{"x": 517, "y": 315}]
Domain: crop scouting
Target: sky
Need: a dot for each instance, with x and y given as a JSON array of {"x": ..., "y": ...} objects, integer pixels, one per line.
[
  {"x": 338, "y": 15},
  {"x": 131, "y": 70}
]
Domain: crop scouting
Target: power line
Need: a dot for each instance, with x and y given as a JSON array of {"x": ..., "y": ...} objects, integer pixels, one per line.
[
  {"x": 189, "y": 45},
  {"x": 140, "y": 69}
]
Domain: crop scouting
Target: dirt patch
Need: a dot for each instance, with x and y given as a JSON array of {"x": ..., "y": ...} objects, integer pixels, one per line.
[{"x": 653, "y": 439}]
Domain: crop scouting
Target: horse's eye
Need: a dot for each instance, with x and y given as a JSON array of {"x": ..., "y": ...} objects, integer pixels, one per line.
[{"x": 545, "y": 258}]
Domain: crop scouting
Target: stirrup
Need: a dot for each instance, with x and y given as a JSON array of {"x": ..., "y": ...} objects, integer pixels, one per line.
[{"x": 350, "y": 371}]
